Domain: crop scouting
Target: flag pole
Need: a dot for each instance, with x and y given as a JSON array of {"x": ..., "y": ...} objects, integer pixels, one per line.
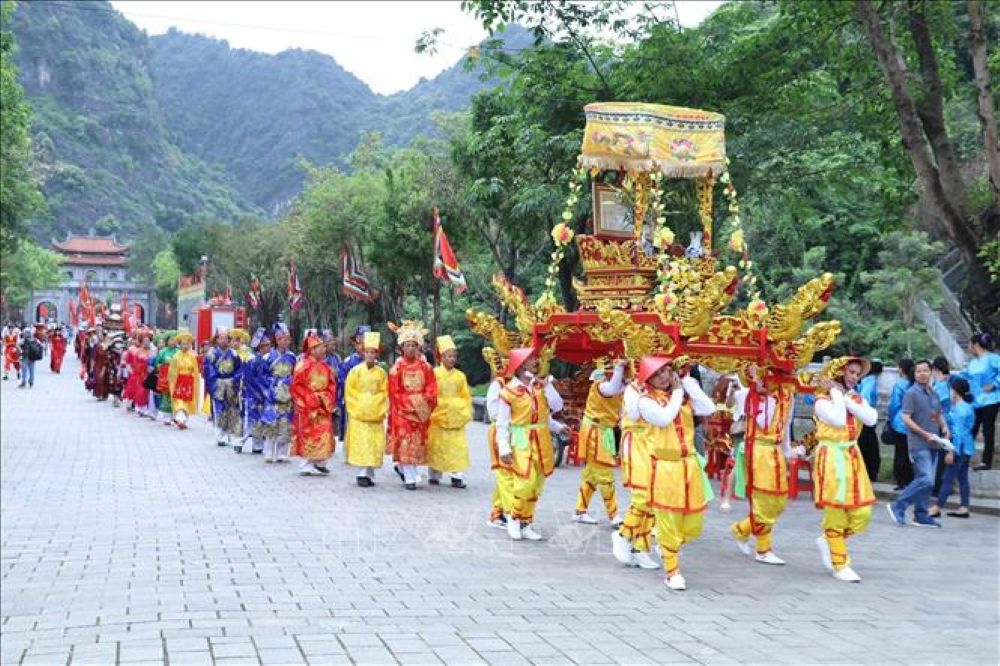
[{"x": 436, "y": 325}]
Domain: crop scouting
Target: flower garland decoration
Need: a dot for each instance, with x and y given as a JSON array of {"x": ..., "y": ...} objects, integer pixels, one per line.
[
  {"x": 562, "y": 235},
  {"x": 737, "y": 241}
]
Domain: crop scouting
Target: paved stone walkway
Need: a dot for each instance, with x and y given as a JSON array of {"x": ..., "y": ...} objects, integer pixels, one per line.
[{"x": 126, "y": 542}]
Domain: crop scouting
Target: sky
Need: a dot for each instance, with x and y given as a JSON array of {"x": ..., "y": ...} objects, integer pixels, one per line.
[{"x": 372, "y": 40}]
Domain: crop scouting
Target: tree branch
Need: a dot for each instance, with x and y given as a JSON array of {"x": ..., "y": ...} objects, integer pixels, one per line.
[{"x": 986, "y": 112}]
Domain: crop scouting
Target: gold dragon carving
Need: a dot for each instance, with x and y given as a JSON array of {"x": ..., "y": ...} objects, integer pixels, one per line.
[{"x": 784, "y": 322}]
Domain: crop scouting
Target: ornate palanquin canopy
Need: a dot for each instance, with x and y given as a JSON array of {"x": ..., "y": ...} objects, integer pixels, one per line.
[
  {"x": 677, "y": 142},
  {"x": 641, "y": 293}
]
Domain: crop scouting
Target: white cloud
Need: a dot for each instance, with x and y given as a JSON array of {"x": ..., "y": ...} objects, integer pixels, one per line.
[{"x": 373, "y": 40}]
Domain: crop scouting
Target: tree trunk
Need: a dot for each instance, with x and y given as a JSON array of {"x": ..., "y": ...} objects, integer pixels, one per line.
[
  {"x": 930, "y": 108},
  {"x": 894, "y": 69},
  {"x": 987, "y": 114},
  {"x": 436, "y": 325}
]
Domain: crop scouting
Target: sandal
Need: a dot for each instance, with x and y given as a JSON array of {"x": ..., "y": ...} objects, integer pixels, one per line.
[{"x": 958, "y": 514}]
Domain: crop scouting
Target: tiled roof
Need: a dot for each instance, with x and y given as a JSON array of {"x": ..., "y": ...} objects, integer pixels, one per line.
[
  {"x": 95, "y": 260},
  {"x": 90, "y": 245}
]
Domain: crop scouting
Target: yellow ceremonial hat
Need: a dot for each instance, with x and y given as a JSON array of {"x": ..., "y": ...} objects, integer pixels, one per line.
[
  {"x": 373, "y": 340},
  {"x": 445, "y": 343}
]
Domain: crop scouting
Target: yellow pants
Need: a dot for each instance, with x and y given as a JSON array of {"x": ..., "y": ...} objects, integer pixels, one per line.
[
  {"x": 765, "y": 509},
  {"x": 638, "y": 522},
  {"x": 597, "y": 477},
  {"x": 502, "y": 499},
  {"x": 524, "y": 492},
  {"x": 673, "y": 530},
  {"x": 838, "y": 525}
]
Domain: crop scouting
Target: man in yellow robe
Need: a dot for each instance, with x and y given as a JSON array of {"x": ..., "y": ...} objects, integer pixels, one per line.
[
  {"x": 843, "y": 489},
  {"x": 596, "y": 444},
  {"x": 448, "y": 447},
  {"x": 366, "y": 396}
]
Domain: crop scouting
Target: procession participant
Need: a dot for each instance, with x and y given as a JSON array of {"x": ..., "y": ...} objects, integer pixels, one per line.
[
  {"x": 11, "y": 351},
  {"x": 412, "y": 397},
  {"x": 136, "y": 359},
  {"x": 333, "y": 360},
  {"x": 762, "y": 477},
  {"x": 501, "y": 500},
  {"x": 114, "y": 376},
  {"x": 524, "y": 438},
  {"x": 679, "y": 488},
  {"x": 152, "y": 402},
  {"x": 314, "y": 395},
  {"x": 95, "y": 353},
  {"x": 58, "y": 350},
  {"x": 222, "y": 375},
  {"x": 252, "y": 392},
  {"x": 183, "y": 380},
  {"x": 346, "y": 365},
  {"x": 366, "y": 397},
  {"x": 631, "y": 543},
  {"x": 842, "y": 488},
  {"x": 239, "y": 342},
  {"x": 277, "y": 415},
  {"x": 164, "y": 407},
  {"x": 80, "y": 341},
  {"x": 596, "y": 444},
  {"x": 448, "y": 447}
]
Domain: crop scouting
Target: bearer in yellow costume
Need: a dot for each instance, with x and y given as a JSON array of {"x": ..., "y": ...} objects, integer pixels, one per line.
[
  {"x": 524, "y": 440},
  {"x": 447, "y": 446},
  {"x": 631, "y": 543},
  {"x": 501, "y": 499},
  {"x": 679, "y": 488},
  {"x": 596, "y": 443},
  {"x": 366, "y": 396},
  {"x": 763, "y": 475},
  {"x": 843, "y": 488}
]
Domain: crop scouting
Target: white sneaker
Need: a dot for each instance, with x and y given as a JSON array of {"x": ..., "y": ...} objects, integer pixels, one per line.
[
  {"x": 497, "y": 524},
  {"x": 306, "y": 468},
  {"x": 744, "y": 546},
  {"x": 847, "y": 574},
  {"x": 621, "y": 549},
  {"x": 769, "y": 558},
  {"x": 676, "y": 582},
  {"x": 724, "y": 507},
  {"x": 824, "y": 553},
  {"x": 617, "y": 521},
  {"x": 529, "y": 533},
  {"x": 584, "y": 519},
  {"x": 514, "y": 529},
  {"x": 644, "y": 561}
]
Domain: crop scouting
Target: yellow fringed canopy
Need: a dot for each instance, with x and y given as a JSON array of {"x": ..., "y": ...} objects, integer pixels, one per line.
[{"x": 679, "y": 142}]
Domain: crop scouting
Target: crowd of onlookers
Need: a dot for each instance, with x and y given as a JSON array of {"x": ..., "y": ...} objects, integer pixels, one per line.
[{"x": 23, "y": 346}]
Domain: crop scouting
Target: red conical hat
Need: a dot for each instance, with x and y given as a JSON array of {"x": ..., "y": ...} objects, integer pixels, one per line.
[
  {"x": 517, "y": 358},
  {"x": 650, "y": 365}
]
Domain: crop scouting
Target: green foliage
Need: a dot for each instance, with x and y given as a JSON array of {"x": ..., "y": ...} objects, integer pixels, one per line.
[
  {"x": 166, "y": 273},
  {"x": 27, "y": 267},
  {"x": 20, "y": 197},
  {"x": 908, "y": 274}
]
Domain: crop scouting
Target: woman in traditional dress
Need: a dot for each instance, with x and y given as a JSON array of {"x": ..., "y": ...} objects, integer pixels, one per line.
[
  {"x": 183, "y": 378},
  {"x": 57, "y": 351}
]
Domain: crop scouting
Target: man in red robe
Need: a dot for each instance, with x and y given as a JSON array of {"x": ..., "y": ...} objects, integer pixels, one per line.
[
  {"x": 57, "y": 350},
  {"x": 412, "y": 397}
]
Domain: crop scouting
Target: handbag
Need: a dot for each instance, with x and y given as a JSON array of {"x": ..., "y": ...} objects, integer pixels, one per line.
[{"x": 150, "y": 381}]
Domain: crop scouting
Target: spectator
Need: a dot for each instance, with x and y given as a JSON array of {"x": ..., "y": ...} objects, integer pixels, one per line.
[
  {"x": 983, "y": 375},
  {"x": 31, "y": 351},
  {"x": 868, "y": 440},
  {"x": 961, "y": 419},
  {"x": 924, "y": 424},
  {"x": 941, "y": 382},
  {"x": 894, "y": 433}
]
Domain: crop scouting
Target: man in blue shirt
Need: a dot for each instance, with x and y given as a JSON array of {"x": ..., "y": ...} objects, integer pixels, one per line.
[
  {"x": 925, "y": 423},
  {"x": 868, "y": 440}
]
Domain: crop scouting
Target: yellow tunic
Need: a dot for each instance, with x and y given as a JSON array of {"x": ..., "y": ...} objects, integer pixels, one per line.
[
  {"x": 184, "y": 363},
  {"x": 596, "y": 443},
  {"x": 770, "y": 469},
  {"x": 366, "y": 396},
  {"x": 448, "y": 448},
  {"x": 636, "y": 467},
  {"x": 839, "y": 471},
  {"x": 676, "y": 483},
  {"x": 530, "y": 438}
]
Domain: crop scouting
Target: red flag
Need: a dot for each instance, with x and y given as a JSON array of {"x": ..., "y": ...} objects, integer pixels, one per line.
[
  {"x": 295, "y": 296},
  {"x": 74, "y": 317},
  {"x": 126, "y": 315},
  {"x": 356, "y": 283},
  {"x": 138, "y": 315},
  {"x": 446, "y": 266}
]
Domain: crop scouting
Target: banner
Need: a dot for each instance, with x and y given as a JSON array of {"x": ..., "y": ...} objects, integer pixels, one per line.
[
  {"x": 295, "y": 296},
  {"x": 254, "y": 295},
  {"x": 356, "y": 283},
  {"x": 445, "y": 262}
]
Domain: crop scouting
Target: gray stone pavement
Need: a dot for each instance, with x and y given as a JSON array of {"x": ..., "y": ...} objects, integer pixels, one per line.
[{"x": 127, "y": 542}]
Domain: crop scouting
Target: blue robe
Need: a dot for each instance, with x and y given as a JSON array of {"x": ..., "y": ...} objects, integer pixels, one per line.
[
  {"x": 252, "y": 390},
  {"x": 222, "y": 377},
  {"x": 277, "y": 382}
]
